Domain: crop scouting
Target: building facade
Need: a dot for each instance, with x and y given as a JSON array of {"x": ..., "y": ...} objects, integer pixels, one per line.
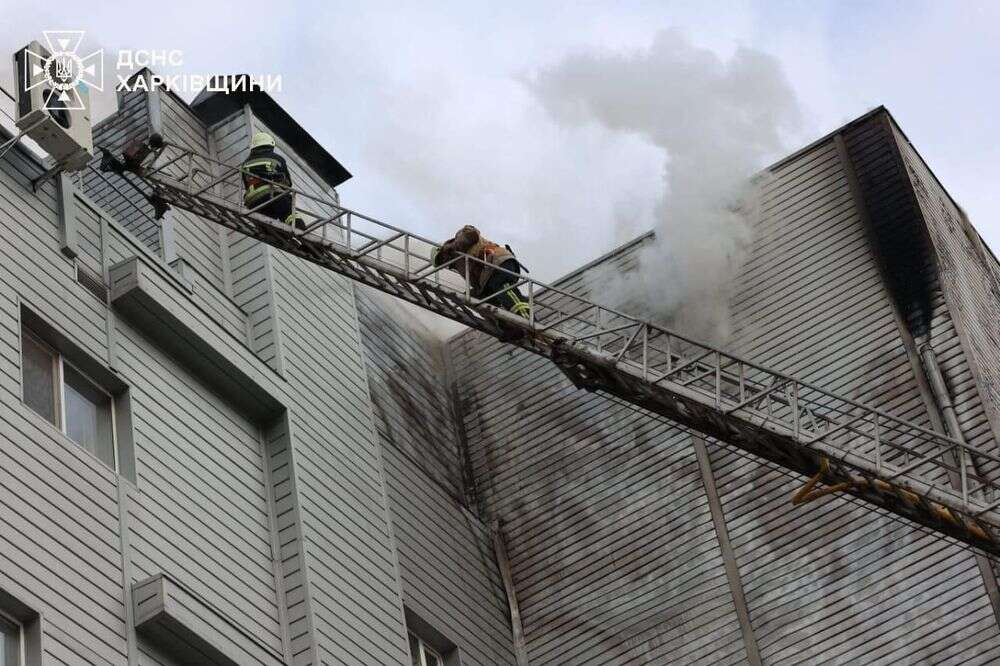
[
  {"x": 215, "y": 453},
  {"x": 633, "y": 541}
]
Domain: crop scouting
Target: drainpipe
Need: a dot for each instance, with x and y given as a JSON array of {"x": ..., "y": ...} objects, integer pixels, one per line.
[
  {"x": 503, "y": 563},
  {"x": 946, "y": 408},
  {"x": 932, "y": 369}
]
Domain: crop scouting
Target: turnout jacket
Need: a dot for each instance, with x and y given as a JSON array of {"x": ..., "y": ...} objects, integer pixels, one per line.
[
  {"x": 469, "y": 241},
  {"x": 263, "y": 163}
]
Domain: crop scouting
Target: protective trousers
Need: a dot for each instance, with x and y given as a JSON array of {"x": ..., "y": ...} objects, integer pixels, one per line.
[
  {"x": 509, "y": 297},
  {"x": 280, "y": 206}
]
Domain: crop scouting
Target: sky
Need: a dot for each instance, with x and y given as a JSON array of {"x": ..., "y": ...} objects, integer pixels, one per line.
[{"x": 439, "y": 108}]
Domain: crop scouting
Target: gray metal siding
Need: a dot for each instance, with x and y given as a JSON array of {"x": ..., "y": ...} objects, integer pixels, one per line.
[
  {"x": 832, "y": 578},
  {"x": 129, "y": 123},
  {"x": 609, "y": 533},
  {"x": 59, "y": 552},
  {"x": 611, "y": 541},
  {"x": 201, "y": 513},
  {"x": 290, "y": 550},
  {"x": 197, "y": 240},
  {"x": 350, "y": 562},
  {"x": 89, "y": 234},
  {"x": 974, "y": 297},
  {"x": 249, "y": 260},
  {"x": 447, "y": 567},
  {"x": 210, "y": 483},
  {"x": 200, "y": 508},
  {"x": 410, "y": 396},
  {"x": 446, "y": 561},
  {"x": 592, "y": 490},
  {"x": 47, "y": 282}
]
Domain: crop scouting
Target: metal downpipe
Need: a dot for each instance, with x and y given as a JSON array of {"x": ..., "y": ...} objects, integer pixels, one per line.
[{"x": 932, "y": 369}]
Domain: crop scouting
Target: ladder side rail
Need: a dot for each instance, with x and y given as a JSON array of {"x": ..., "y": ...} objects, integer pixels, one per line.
[
  {"x": 598, "y": 329},
  {"x": 816, "y": 418},
  {"x": 551, "y": 289}
]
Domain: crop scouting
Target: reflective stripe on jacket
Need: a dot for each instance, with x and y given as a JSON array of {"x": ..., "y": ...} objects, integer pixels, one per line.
[{"x": 261, "y": 170}]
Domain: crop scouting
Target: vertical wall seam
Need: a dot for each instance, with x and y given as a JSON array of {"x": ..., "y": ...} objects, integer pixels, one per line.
[
  {"x": 272, "y": 312},
  {"x": 267, "y": 258},
  {"x": 303, "y": 542},
  {"x": 125, "y": 549},
  {"x": 222, "y": 232},
  {"x": 110, "y": 319},
  {"x": 507, "y": 576},
  {"x": 726, "y": 548},
  {"x": 276, "y": 565},
  {"x": 376, "y": 442},
  {"x": 68, "y": 235}
]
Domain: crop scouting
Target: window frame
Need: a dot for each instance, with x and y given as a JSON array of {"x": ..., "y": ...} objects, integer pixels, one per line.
[
  {"x": 59, "y": 394},
  {"x": 424, "y": 648},
  {"x": 22, "y": 653}
]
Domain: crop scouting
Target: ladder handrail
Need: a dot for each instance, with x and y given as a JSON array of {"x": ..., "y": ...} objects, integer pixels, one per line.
[
  {"x": 817, "y": 419},
  {"x": 547, "y": 288}
]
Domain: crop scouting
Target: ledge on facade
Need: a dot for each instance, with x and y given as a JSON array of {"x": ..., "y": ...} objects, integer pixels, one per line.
[
  {"x": 189, "y": 629},
  {"x": 142, "y": 296}
]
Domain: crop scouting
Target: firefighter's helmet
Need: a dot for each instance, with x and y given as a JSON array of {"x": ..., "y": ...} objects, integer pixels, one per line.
[{"x": 262, "y": 139}]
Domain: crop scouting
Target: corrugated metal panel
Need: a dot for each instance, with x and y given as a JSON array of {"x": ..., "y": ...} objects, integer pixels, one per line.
[
  {"x": 350, "y": 561},
  {"x": 289, "y": 544},
  {"x": 59, "y": 549},
  {"x": 833, "y": 579},
  {"x": 198, "y": 241},
  {"x": 594, "y": 495},
  {"x": 446, "y": 560},
  {"x": 580, "y": 480},
  {"x": 129, "y": 123},
  {"x": 974, "y": 296},
  {"x": 412, "y": 404},
  {"x": 201, "y": 514},
  {"x": 89, "y": 238},
  {"x": 249, "y": 262}
]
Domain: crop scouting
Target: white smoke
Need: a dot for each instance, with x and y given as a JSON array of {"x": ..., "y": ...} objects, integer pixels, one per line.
[{"x": 716, "y": 121}]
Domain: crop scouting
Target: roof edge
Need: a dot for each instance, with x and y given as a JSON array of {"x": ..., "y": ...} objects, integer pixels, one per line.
[{"x": 211, "y": 107}]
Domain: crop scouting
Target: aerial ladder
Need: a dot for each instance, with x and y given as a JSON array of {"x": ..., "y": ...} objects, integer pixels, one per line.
[{"x": 844, "y": 445}]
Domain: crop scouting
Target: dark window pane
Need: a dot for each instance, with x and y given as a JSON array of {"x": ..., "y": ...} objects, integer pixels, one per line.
[
  {"x": 10, "y": 647},
  {"x": 88, "y": 416},
  {"x": 432, "y": 659},
  {"x": 38, "y": 371},
  {"x": 414, "y": 651}
]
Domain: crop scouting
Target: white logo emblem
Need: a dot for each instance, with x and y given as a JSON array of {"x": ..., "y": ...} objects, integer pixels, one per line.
[{"x": 64, "y": 70}]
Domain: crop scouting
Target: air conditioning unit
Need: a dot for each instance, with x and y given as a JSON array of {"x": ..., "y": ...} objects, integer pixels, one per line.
[{"x": 53, "y": 104}]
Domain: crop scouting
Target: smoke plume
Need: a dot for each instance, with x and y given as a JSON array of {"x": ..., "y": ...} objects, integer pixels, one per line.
[{"x": 716, "y": 122}]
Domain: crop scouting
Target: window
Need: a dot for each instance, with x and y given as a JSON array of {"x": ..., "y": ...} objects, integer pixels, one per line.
[
  {"x": 55, "y": 389},
  {"x": 11, "y": 642},
  {"x": 422, "y": 655}
]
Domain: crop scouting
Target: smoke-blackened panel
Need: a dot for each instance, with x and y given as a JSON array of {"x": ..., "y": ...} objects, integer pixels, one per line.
[
  {"x": 410, "y": 397},
  {"x": 896, "y": 226}
]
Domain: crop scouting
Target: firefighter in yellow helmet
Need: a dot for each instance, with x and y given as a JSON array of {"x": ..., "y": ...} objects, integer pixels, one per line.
[
  {"x": 484, "y": 278},
  {"x": 267, "y": 182}
]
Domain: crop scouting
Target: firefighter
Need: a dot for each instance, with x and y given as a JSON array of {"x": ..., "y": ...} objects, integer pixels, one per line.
[
  {"x": 484, "y": 279},
  {"x": 267, "y": 182}
]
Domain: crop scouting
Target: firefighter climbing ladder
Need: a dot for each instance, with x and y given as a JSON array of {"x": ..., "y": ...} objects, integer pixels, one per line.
[{"x": 851, "y": 447}]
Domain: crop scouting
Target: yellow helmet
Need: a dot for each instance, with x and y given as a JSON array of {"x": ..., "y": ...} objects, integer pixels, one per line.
[{"x": 261, "y": 139}]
